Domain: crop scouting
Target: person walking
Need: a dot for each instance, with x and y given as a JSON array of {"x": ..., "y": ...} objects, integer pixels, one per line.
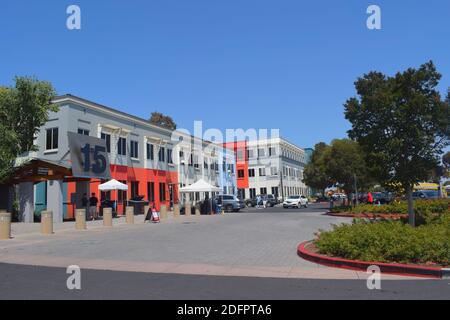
[
  {"x": 370, "y": 198},
  {"x": 265, "y": 202},
  {"x": 258, "y": 202},
  {"x": 93, "y": 202}
]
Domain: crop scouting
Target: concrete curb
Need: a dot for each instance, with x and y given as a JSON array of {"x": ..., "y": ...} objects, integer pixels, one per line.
[
  {"x": 367, "y": 215},
  {"x": 389, "y": 268}
]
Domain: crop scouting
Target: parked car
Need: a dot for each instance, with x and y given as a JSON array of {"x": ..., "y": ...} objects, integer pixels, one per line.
[
  {"x": 382, "y": 197},
  {"x": 426, "y": 194},
  {"x": 296, "y": 202},
  {"x": 270, "y": 198},
  {"x": 229, "y": 203}
]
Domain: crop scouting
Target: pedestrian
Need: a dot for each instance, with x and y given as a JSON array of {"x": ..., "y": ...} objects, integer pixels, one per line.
[
  {"x": 93, "y": 202},
  {"x": 258, "y": 202},
  {"x": 265, "y": 202},
  {"x": 370, "y": 198}
]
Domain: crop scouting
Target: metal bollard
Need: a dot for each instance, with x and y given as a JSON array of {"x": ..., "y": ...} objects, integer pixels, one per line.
[
  {"x": 176, "y": 210},
  {"x": 80, "y": 219},
  {"x": 47, "y": 222},
  {"x": 129, "y": 215},
  {"x": 163, "y": 211},
  {"x": 107, "y": 217},
  {"x": 187, "y": 209},
  {"x": 5, "y": 225}
]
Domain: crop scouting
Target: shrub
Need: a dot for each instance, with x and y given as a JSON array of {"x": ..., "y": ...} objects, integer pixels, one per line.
[{"x": 389, "y": 241}]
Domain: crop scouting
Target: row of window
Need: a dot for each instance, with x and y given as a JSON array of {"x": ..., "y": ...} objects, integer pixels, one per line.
[
  {"x": 123, "y": 195},
  {"x": 164, "y": 154}
]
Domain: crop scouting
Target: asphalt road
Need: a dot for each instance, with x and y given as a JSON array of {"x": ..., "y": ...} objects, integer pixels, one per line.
[
  {"x": 229, "y": 257},
  {"x": 28, "y": 282}
]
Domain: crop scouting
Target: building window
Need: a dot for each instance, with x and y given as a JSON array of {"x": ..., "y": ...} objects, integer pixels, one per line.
[
  {"x": 151, "y": 191},
  {"x": 162, "y": 154},
  {"x": 240, "y": 155},
  {"x": 241, "y": 174},
  {"x": 261, "y": 153},
  {"x": 134, "y": 149},
  {"x": 84, "y": 132},
  {"x": 262, "y": 172},
  {"x": 196, "y": 162},
  {"x": 251, "y": 173},
  {"x": 272, "y": 151},
  {"x": 252, "y": 193},
  {"x": 162, "y": 192},
  {"x": 122, "y": 146},
  {"x": 134, "y": 189},
  {"x": 150, "y": 151},
  {"x": 263, "y": 191},
  {"x": 107, "y": 139},
  {"x": 122, "y": 194},
  {"x": 52, "y": 139},
  {"x": 273, "y": 171},
  {"x": 275, "y": 192},
  {"x": 169, "y": 156}
]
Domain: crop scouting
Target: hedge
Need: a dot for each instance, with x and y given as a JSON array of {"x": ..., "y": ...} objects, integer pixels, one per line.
[{"x": 389, "y": 241}]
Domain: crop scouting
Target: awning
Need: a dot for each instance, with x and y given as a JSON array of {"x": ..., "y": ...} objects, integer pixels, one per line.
[
  {"x": 200, "y": 186},
  {"x": 113, "y": 185}
]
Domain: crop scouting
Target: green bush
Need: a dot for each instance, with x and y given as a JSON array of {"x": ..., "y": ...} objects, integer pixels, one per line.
[
  {"x": 425, "y": 209},
  {"x": 389, "y": 241}
]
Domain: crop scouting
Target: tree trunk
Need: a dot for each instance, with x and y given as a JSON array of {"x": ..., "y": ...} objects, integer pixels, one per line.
[{"x": 411, "y": 214}]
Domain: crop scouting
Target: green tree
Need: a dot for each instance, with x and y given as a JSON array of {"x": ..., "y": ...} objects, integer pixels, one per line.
[
  {"x": 346, "y": 165},
  {"x": 315, "y": 174},
  {"x": 163, "y": 120},
  {"x": 402, "y": 124},
  {"x": 24, "y": 109}
]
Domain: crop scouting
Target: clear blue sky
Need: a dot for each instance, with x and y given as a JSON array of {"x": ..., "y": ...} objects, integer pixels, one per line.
[{"x": 233, "y": 64}]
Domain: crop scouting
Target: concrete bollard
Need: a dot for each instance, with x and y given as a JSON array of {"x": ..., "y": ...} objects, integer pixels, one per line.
[
  {"x": 5, "y": 225},
  {"x": 163, "y": 211},
  {"x": 187, "y": 209},
  {"x": 47, "y": 222},
  {"x": 197, "y": 210},
  {"x": 80, "y": 219},
  {"x": 107, "y": 217},
  {"x": 176, "y": 210},
  {"x": 129, "y": 215}
]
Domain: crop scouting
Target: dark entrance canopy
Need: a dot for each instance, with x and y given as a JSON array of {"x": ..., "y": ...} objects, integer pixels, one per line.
[{"x": 39, "y": 170}]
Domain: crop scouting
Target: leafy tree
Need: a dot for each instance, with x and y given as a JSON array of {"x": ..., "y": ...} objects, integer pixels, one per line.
[
  {"x": 24, "y": 109},
  {"x": 402, "y": 124},
  {"x": 163, "y": 120},
  {"x": 315, "y": 174},
  {"x": 345, "y": 163}
]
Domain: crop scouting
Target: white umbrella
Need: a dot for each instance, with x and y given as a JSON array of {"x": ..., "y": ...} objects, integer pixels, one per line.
[
  {"x": 200, "y": 186},
  {"x": 113, "y": 185}
]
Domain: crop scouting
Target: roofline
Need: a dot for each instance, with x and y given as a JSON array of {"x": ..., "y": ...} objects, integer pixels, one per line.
[{"x": 89, "y": 103}]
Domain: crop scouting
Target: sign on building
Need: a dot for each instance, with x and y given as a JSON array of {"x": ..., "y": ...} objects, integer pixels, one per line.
[{"x": 89, "y": 157}]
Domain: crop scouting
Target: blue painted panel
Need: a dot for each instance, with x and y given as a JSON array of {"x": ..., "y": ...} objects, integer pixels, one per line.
[{"x": 41, "y": 197}]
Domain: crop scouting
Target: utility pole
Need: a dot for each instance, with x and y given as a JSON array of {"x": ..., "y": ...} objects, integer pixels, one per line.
[{"x": 356, "y": 189}]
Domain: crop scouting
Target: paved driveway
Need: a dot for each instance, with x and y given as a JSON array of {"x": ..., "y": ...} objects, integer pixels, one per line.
[{"x": 259, "y": 243}]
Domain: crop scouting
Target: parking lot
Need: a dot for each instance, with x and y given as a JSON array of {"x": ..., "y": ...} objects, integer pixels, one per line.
[{"x": 253, "y": 242}]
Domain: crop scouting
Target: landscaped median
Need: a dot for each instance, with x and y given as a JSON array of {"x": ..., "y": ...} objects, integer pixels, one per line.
[
  {"x": 426, "y": 210},
  {"x": 394, "y": 246}
]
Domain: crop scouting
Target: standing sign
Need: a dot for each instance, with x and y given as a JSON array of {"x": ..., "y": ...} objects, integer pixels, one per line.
[{"x": 89, "y": 157}]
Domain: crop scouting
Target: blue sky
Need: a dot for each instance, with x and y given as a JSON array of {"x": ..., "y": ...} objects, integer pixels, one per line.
[{"x": 233, "y": 64}]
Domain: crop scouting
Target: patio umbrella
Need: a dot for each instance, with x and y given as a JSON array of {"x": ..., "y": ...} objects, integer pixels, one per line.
[{"x": 112, "y": 185}]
